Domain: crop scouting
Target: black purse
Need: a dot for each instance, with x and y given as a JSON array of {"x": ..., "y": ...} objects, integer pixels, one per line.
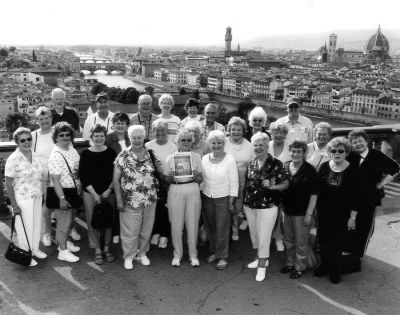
[
  {"x": 71, "y": 194},
  {"x": 103, "y": 214},
  {"x": 14, "y": 253}
]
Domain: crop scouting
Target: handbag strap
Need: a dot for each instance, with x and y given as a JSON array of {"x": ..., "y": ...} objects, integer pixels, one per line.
[
  {"x": 23, "y": 225},
  {"x": 151, "y": 153},
  {"x": 69, "y": 169}
]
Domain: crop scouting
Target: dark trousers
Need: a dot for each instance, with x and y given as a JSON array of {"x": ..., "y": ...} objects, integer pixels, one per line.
[
  {"x": 365, "y": 222},
  {"x": 217, "y": 220},
  {"x": 162, "y": 225}
]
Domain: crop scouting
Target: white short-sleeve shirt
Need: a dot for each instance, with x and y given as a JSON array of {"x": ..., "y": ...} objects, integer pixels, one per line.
[{"x": 57, "y": 166}]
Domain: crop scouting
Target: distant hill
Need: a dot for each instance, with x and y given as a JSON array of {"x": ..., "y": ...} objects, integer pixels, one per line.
[{"x": 347, "y": 39}]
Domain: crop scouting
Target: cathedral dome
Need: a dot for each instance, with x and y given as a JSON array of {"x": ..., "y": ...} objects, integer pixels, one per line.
[{"x": 377, "y": 42}]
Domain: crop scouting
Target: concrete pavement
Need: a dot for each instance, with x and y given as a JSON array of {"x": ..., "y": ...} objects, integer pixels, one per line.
[{"x": 55, "y": 287}]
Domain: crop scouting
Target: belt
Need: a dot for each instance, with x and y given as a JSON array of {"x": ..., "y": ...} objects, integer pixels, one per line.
[{"x": 181, "y": 183}]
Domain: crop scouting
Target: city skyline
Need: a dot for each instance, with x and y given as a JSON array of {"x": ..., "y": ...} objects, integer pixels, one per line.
[{"x": 179, "y": 23}]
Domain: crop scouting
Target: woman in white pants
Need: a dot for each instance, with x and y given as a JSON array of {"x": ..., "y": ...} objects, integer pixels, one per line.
[
  {"x": 24, "y": 180},
  {"x": 266, "y": 179}
]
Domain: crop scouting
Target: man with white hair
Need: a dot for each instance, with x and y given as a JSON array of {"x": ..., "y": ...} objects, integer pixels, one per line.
[
  {"x": 60, "y": 113},
  {"x": 144, "y": 116},
  {"x": 209, "y": 124},
  {"x": 299, "y": 126}
]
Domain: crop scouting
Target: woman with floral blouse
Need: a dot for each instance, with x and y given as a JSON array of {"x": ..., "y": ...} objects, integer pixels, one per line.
[
  {"x": 135, "y": 184},
  {"x": 266, "y": 179}
]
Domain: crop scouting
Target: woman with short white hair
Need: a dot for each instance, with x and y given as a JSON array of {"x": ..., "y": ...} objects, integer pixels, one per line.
[
  {"x": 135, "y": 184},
  {"x": 166, "y": 103},
  {"x": 199, "y": 145},
  {"x": 221, "y": 185},
  {"x": 257, "y": 121},
  {"x": 266, "y": 179}
]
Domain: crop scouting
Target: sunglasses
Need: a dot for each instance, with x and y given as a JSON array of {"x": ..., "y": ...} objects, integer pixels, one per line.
[
  {"x": 293, "y": 106},
  {"x": 25, "y": 140},
  {"x": 334, "y": 151},
  {"x": 257, "y": 120},
  {"x": 186, "y": 140},
  {"x": 64, "y": 135}
]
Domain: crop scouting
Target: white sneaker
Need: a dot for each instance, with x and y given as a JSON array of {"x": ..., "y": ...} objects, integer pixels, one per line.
[
  {"x": 163, "y": 242},
  {"x": 176, "y": 262},
  {"x": 46, "y": 240},
  {"x": 154, "y": 239},
  {"x": 243, "y": 226},
  {"x": 39, "y": 254},
  {"x": 128, "y": 265},
  {"x": 67, "y": 256},
  {"x": 260, "y": 274},
  {"x": 279, "y": 246},
  {"x": 75, "y": 235},
  {"x": 71, "y": 247},
  {"x": 254, "y": 264},
  {"x": 194, "y": 262},
  {"x": 33, "y": 263},
  {"x": 143, "y": 260},
  {"x": 116, "y": 239}
]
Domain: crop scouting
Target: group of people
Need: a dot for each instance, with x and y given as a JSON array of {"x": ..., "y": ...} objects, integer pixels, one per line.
[{"x": 167, "y": 178}]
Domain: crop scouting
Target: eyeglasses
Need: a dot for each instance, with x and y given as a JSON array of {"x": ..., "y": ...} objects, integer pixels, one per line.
[
  {"x": 25, "y": 140},
  {"x": 340, "y": 151},
  {"x": 293, "y": 106},
  {"x": 186, "y": 140},
  {"x": 64, "y": 135},
  {"x": 258, "y": 120}
]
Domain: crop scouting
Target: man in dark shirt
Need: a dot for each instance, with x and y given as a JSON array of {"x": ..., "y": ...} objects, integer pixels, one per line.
[{"x": 60, "y": 113}]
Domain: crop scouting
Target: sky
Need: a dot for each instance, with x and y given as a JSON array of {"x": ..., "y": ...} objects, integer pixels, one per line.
[{"x": 183, "y": 22}]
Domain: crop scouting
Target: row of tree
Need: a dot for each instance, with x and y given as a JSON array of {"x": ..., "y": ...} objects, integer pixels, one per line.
[{"x": 125, "y": 96}]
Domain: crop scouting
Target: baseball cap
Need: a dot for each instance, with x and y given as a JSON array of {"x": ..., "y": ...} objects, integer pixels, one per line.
[
  {"x": 102, "y": 95},
  {"x": 292, "y": 101}
]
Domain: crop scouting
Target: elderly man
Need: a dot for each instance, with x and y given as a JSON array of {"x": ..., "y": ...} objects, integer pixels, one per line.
[
  {"x": 317, "y": 151},
  {"x": 300, "y": 127},
  {"x": 145, "y": 117},
  {"x": 209, "y": 124},
  {"x": 60, "y": 113},
  {"x": 102, "y": 117}
]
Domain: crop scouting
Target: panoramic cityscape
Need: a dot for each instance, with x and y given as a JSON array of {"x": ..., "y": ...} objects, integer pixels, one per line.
[{"x": 168, "y": 119}]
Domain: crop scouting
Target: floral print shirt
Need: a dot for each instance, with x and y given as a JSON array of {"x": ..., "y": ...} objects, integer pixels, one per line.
[
  {"x": 28, "y": 177},
  {"x": 256, "y": 195},
  {"x": 138, "y": 182}
]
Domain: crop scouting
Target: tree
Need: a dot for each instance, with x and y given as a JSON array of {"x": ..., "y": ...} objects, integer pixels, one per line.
[
  {"x": 34, "y": 58},
  {"x": 149, "y": 90},
  {"x": 182, "y": 91},
  {"x": 196, "y": 94},
  {"x": 132, "y": 96},
  {"x": 16, "y": 120},
  {"x": 97, "y": 88},
  {"x": 12, "y": 49},
  {"x": 3, "y": 53},
  {"x": 112, "y": 92},
  {"x": 244, "y": 107}
]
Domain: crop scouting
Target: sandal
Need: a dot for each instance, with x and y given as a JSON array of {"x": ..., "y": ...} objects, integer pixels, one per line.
[
  {"x": 98, "y": 259},
  {"x": 109, "y": 256},
  {"x": 287, "y": 269},
  {"x": 296, "y": 274}
]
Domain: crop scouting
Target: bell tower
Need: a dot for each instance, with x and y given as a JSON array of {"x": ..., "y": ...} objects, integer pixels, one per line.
[{"x": 228, "y": 39}]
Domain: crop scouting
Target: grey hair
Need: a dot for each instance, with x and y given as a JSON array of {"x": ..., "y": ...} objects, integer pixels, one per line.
[
  {"x": 340, "y": 141},
  {"x": 166, "y": 97},
  {"x": 43, "y": 110},
  {"x": 211, "y": 105},
  {"x": 260, "y": 136},
  {"x": 277, "y": 126},
  {"x": 159, "y": 123},
  {"x": 193, "y": 124},
  {"x": 136, "y": 129},
  {"x": 257, "y": 112},
  {"x": 56, "y": 91},
  {"x": 184, "y": 133},
  {"x": 19, "y": 132},
  {"x": 323, "y": 125},
  {"x": 216, "y": 134},
  {"x": 144, "y": 97},
  {"x": 235, "y": 120}
]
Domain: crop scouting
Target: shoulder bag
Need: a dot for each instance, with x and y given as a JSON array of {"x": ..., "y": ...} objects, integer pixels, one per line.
[
  {"x": 162, "y": 190},
  {"x": 14, "y": 253}
]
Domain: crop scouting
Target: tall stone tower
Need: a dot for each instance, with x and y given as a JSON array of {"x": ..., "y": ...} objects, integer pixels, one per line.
[
  {"x": 228, "y": 39},
  {"x": 332, "y": 47}
]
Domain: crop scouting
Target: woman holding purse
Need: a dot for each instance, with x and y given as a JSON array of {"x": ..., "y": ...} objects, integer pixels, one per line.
[{"x": 64, "y": 184}]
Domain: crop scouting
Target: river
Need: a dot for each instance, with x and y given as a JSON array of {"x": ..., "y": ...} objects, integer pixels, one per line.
[{"x": 114, "y": 80}]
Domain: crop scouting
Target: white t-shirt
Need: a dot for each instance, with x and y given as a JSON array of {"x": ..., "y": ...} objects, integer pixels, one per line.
[
  {"x": 173, "y": 126},
  {"x": 242, "y": 153},
  {"x": 42, "y": 145},
  {"x": 162, "y": 151},
  {"x": 285, "y": 154}
]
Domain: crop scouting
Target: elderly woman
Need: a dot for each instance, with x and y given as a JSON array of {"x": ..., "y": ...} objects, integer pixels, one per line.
[
  {"x": 166, "y": 103},
  {"x": 279, "y": 149},
  {"x": 199, "y": 145},
  {"x": 135, "y": 184},
  {"x": 192, "y": 107},
  {"x": 237, "y": 146},
  {"x": 338, "y": 202},
  {"x": 24, "y": 181},
  {"x": 63, "y": 169},
  {"x": 118, "y": 141},
  {"x": 221, "y": 186},
  {"x": 317, "y": 151},
  {"x": 266, "y": 179},
  {"x": 299, "y": 202},
  {"x": 96, "y": 174},
  {"x": 257, "y": 121},
  {"x": 377, "y": 169},
  {"x": 42, "y": 145},
  {"x": 162, "y": 147},
  {"x": 183, "y": 171}
]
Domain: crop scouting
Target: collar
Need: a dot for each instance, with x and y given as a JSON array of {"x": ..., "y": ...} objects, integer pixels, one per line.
[{"x": 108, "y": 116}]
